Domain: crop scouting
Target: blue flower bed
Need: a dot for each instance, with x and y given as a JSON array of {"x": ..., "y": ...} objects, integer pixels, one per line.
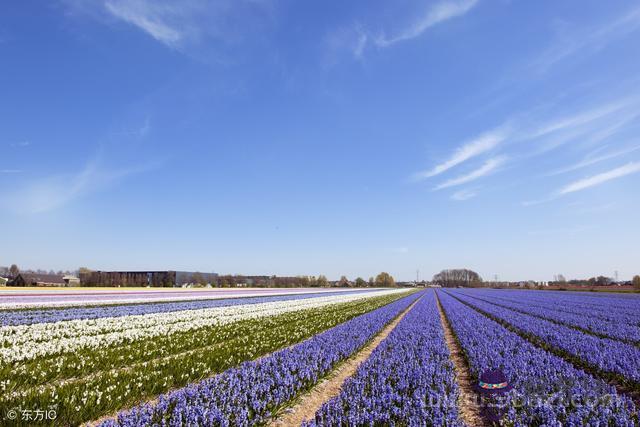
[
  {"x": 609, "y": 356},
  {"x": 408, "y": 379},
  {"x": 547, "y": 389},
  {"x": 617, "y": 326}
]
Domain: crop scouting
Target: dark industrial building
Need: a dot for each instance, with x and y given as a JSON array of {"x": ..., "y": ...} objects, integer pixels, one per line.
[
  {"x": 156, "y": 279},
  {"x": 34, "y": 279}
]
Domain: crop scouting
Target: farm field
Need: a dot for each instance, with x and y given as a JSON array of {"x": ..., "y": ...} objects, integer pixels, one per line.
[{"x": 322, "y": 358}]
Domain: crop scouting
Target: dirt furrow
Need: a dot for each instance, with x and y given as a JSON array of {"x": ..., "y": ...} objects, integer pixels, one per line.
[{"x": 468, "y": 407}]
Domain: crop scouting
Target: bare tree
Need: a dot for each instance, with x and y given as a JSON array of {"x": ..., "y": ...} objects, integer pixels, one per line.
[
  {"x": 384, "y": 279},
  {"x": 322, "y": 281},
  {"x": 600, "y": 281},
  {"x": 343, "y": 282},
  {"x": 198, "y": 279},
  {"x": 14, "y": 270},
  {"x": 457, "y": 277}
]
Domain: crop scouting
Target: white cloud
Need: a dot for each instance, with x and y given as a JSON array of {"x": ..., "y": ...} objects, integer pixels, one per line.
[
  {"x": 436, "y": 14},
  {"x": 463, "y": 195},
  {"x": 199, "y": 28},
  {"x": 593, "y": 160},
  {"x": 488, "y": 167},
  {"x": 467, "y": 151},
  {"x": 151, "y": 17},
  {"x": 10, "y": 170},
  {"x": 355, "y": 38},
  {"x": 548, "y": 133},
  {"x": 577, "y": 120},
  {"x": 52, "y": 192},
  {"x": 601, "y": 178}
]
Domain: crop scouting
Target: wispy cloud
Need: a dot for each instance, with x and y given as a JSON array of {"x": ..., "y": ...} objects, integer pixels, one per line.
[
  {"x": 356, "y": 38},
  {"x": 199, "y": 28},
  {"x": 591, "y": 160},
  {"x": 480, "y": 145},
  {"x": 10, "y": 170},
  {"x": 534, "y": 133},
  {"x": 576, "y": 120},
  {"x": 591, "y": 39},
  {"x": 436, "y": 14},
  {"x": 52, "y": 192},
  {"x": 586, "y": 127},
  {"x": 351, "y": 40},
  {"x": 462, "y": 195},
  {"x": 488, "y": 167},
  {"x": 547, "y": 133},
  {"x": 583, "y": 184},
  {"x": 151, "y": 17}
]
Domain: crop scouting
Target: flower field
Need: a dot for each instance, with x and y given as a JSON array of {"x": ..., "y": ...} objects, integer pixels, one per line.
[{"x": 249, "y": 361}]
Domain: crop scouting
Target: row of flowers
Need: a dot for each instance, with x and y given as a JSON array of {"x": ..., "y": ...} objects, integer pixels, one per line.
[
  {"x": 253, "y": 392},
  {"x": 622, "y": 309},
  {"x": 615, "y": 328},
  {"x": 407, "y": 380},
  {"x": 20, "y": 300},
  {"x": 126, "y": 308},
  {"x": 25, "y": 342},
  {"x": 95, "y": 393},
  {"x": 547, "y": 390},
  {"x": 606, "y": 355}
]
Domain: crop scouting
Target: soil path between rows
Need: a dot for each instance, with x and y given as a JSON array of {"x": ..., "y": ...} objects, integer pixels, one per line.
[
  {"x": 468, "y": 409},
  {"x": 310, "y": 402}
]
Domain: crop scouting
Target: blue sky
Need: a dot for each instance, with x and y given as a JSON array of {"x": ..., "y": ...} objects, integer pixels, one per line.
[{"x": 282, "y": 137}]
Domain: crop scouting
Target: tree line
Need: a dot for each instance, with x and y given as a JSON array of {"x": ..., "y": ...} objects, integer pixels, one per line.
[
  {"x": 14, "y": 270},
  {"x": 381, "y": 280}
]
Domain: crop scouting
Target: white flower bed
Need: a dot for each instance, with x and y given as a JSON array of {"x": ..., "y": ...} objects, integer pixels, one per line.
[
  {"x": 25, "y": 342},
  {"x": 98, "y": 298}
]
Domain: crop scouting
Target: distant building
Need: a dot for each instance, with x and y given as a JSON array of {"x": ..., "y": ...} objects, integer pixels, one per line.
[
  {"x": 34, "y": 279},
  {"x": 155, "y": 279},
  {"x": 71, "y": 280}
]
